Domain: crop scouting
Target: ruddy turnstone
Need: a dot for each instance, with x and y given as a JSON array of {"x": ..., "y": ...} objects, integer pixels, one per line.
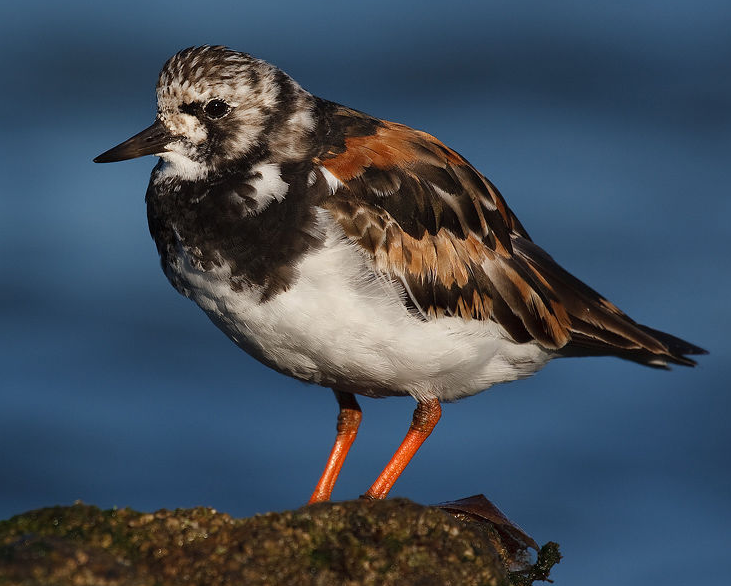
[{"x": 356, "y": 253}]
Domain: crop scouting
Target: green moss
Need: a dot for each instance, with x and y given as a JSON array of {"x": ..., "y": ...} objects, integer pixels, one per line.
[
  {"x": 392, "y": 544},
  {"x": 321, "y": 558},
  {"x": 548, "y": 556}
]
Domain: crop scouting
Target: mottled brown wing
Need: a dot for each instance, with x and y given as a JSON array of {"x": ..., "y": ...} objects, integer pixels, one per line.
[
  {"x": 431, "y": 221},
  {"x": 434, "y": 223}
]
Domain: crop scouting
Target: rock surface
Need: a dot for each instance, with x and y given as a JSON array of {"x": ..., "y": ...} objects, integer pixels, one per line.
[{"x": 394, "y": 542}]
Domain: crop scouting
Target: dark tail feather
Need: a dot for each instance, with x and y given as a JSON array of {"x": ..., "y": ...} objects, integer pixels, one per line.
[
  {"x": 677, "y": 349},
  {"x": 599, "y": 328}
]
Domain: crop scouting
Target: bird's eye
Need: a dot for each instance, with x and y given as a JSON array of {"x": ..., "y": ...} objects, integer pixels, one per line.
[{"x": 216, "y": 109}]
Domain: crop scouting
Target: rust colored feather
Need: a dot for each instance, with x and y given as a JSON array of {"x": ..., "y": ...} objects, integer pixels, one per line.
[{"x": 392, "y": 145}]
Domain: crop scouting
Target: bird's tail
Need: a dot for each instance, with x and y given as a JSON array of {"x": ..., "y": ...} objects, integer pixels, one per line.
[{"x": 598, "y": 327}]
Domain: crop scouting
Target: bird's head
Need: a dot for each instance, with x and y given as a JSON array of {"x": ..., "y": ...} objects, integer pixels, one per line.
[{"x": 216, "y": 106}]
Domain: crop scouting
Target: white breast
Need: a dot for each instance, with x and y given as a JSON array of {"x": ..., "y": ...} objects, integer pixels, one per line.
[{"x": 341, "y": 326}]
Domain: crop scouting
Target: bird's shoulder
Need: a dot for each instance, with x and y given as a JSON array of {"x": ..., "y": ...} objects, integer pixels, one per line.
[{"x": 422, "y": 183}]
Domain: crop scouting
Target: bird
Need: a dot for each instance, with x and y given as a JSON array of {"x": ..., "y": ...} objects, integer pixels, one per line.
[{"x": 356, "y": 253}]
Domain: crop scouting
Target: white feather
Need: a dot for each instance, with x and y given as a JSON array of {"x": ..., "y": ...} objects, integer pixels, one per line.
[
  {"x": 269, "y": 186},
  {"x": 176, "y": 165},
  {"x": 333, "y": 182}
]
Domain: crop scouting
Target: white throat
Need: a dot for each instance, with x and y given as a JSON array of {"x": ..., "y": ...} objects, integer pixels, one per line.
[{"x": 178, "y": 166}]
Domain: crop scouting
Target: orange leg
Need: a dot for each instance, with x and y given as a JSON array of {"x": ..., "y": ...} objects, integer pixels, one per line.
[
  {"x": 348, "y": 422},
  {"x": 426, "y": 416}
]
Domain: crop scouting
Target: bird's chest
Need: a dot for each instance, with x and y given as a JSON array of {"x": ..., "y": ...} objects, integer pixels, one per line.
[
  {"x": 283, "y": 284},
  {"x": 332, "y": 325},
  {"x": 243, "y": 225}
]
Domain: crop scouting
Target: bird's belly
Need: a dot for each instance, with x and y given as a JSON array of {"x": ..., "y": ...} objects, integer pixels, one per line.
[{"x": 340, "y": 326}]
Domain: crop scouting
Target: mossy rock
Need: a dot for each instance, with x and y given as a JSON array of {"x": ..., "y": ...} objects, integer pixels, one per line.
[{"x": 394, "y": 542}]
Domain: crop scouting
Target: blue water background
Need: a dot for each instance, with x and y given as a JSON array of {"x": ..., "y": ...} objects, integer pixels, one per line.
[{"x": 606, "y": 125}]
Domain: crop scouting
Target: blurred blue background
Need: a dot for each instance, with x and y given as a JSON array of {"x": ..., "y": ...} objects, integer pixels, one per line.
[{"x": 606, "y": 125}]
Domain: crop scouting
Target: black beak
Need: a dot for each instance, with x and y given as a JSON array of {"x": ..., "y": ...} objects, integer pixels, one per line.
[{"x": 150, "y": 141}]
